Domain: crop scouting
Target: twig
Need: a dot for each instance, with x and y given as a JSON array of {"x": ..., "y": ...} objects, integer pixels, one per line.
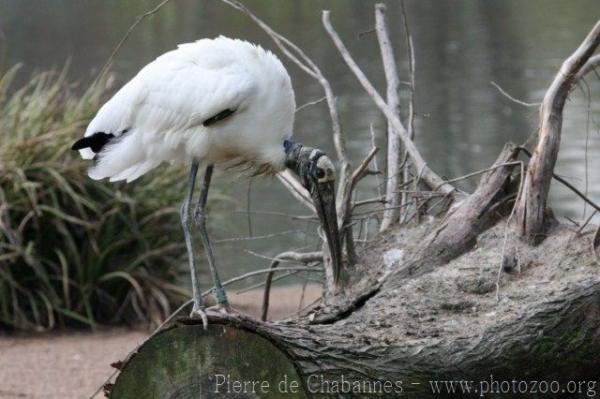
[
  {"x": 587, "y": 143},
  {"x": 311, "y": 103},
  {"x": 295, "y": 187},
  {"x": 569, "y": 185},
  {"x": 429, "y": 175},
  {"x": 139, "y": 19},
  {"x": 358, "y": 174},
  {"x": 411, "y": 109},
  {"x": 257, "y": 237},
  {"x": 263, "y": 271},
  {"x": 249, "y": 207},
  {"x": 289, "y": 256},
  {"x": 373, "y": 145},
  {"x": 376, "y": 200},
  {"x": 479, "y": 172},
  {"x": 262, "y": 283},
  {"x": 587, "y": 221},
  {"x": 513, "y": 99},
  {"x": 282, "y": 214},
  {"x": 589, "y": 66}
]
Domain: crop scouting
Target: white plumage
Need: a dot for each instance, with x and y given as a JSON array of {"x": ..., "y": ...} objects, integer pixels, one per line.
[
  {"x": 159, "y": 116},
  {"x": 215, "y": 101}
]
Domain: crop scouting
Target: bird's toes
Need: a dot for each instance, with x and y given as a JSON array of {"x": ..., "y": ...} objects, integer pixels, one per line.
[
  {"x": 223, "y": 308},
  {"x": 200, "y": 313}
]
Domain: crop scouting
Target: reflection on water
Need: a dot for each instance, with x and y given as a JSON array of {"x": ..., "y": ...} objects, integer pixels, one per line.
[{"x": 461, "y": 47}]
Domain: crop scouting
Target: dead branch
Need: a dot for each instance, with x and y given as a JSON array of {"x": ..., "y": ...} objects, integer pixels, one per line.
[
  {"x": 139, "y": 19},
  {"x": 429, "y": 176},
  {"x": 568, "y": 185},
  {"x": 289, "y": 256},
  {"x": 530, "y": 219},
  {"x": 513, "y": 99},
  {"x": 345, "y": 226},
  {"x": 405, "y": 166},
  {"x": 252, "y": 237},
  {"x": 358, "y": 174},
  {"x": 290, "y": 182},
  {"x": 392, "y": 197},
  {"x": 311, "y": 103},
  {"x": 375, "y": 165},
  {"x": 589, "y": 66},
  {"x": 457, "y": 232}
]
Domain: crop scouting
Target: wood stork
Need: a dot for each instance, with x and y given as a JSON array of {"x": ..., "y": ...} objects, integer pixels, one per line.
[{"x": 223, "y": 102}]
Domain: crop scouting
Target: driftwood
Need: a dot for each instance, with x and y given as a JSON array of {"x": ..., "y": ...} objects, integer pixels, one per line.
[
  {"x": 425, "y": 303},
  {"x": 414, "y": 329},
  {"x": 531, "y": 215}
]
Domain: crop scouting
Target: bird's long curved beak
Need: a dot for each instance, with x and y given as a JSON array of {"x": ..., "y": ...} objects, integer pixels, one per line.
[
  {"x": 317, "y": 175},
  {"x": 323, "y": 195}
]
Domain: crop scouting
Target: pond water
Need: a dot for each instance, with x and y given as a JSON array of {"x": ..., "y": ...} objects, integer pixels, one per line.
[{"x": 462, "y": 120}]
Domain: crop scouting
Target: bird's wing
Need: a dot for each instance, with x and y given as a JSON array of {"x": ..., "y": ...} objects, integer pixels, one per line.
[{"x": 177, "y": 92}]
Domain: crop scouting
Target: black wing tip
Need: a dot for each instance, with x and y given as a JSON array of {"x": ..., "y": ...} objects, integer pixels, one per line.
[
  {"x": 80, "y": 144},
  {"x": 95, "y": 142}
]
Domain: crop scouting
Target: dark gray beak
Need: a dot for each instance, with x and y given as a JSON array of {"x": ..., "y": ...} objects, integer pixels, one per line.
[
  {"x": 323, "y": 195},
  {"x": 317, "y": 175}
]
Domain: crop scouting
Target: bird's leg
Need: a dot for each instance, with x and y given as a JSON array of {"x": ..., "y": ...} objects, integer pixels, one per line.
[
  {"x": 186, "y": 221},
  {"x": 200, "y": 219}
]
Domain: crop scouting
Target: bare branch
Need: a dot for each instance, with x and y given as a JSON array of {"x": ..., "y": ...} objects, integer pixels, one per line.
[
  {"x": 288, "y": 256},
  {"x": 358, "y": 174},
  {"x": 430, "y": 177},
  {"x": 568, "y": 185},
  {"x": 513, "y": 99},
  {"x": 139, "y": 19},
  {"x": 311, "y": 103},
  {"x": 531, "y": 203},
  {"x": 252, "y": 237},
  {"x": 295, "y": 187},
  {"x": 373, "y": 145},
  {"x": 392, "y": 196},
  {"x": 589, "y": 66},
  {"x": 411, "y": 109}
]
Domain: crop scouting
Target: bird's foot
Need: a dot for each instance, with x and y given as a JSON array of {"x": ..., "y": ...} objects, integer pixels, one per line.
[
  {"x": 199, "y": 312},
  {"x": 223, "y": 308}
]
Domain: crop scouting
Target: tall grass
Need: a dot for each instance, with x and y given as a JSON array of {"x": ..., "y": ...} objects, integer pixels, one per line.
[{"x": 74, "y": 251}]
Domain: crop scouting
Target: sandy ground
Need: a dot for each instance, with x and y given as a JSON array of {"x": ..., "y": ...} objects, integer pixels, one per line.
[{"x": 75, "y": 364}]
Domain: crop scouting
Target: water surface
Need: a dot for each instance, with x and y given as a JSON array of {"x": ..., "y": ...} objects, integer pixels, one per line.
[{"x": 461, "y": 47}]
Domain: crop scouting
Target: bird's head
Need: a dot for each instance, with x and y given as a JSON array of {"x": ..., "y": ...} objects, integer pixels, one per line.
[{"x": 317, "y": 175}]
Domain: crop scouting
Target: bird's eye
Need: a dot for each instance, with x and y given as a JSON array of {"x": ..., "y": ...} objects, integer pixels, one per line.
[{"x": 324, "y": 171}]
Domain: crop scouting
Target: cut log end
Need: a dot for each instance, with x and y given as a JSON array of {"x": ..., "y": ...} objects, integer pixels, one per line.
[{"x": 186, "y": 361}]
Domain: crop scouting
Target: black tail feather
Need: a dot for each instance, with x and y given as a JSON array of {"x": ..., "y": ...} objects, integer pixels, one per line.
[{"x": 95, "y": 142}]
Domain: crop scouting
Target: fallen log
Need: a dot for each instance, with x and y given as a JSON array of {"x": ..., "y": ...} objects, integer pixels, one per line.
[{"x": 439, "y": 326}]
